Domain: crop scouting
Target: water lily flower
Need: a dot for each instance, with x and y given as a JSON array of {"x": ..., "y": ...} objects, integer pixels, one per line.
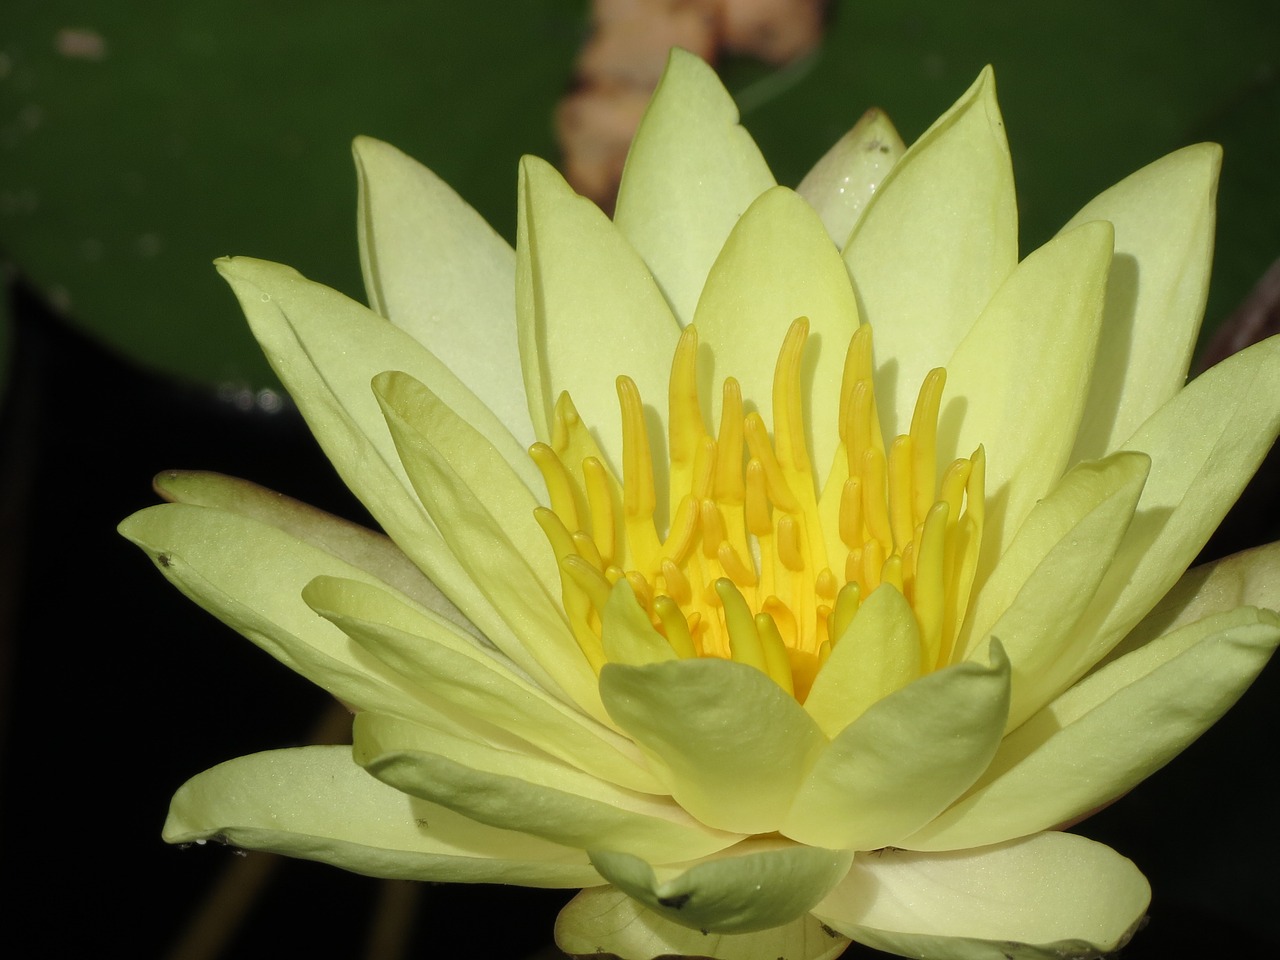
[{"x": 783, "y": 568}]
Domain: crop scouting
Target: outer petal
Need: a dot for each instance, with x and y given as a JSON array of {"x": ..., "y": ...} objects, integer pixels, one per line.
[
  {"x": 325, "y": 349},
  {"x": 691, "y": 172},
  {"x": 1204, "y": 445},
  {"x": 523, "y": 791},
  {"x": 900, "y": 763},
  {"x": 1053, "y": 896},
  {"x": 445, "y": 668},
  {"x": 250, "y": 576},
  {"x": 604, "y": 920},
  {"x": 417, "y": 410},
  {"x": 712, "y": 726},
  {"x": 842, "y": 183},
  {"x": 576, "y": 276},
  {"x": 1248, "y": 578},
  {"x": 1045, "y": 580},
  {"x": 778, "y": 264},
  {"x": 756, "y": 885},
  {"x": 1110, "y": 731},
  {"x": 1163, "y": 217},
  {"x": 435, "y": 269},
  {"x": 935, "y": 243},
  {"x": 316, "y": 804},
  {"x": 533, "y": 630},
  {"x": 1036, "y": 339},
  {"x": 1104, "y": 492},
  {"x": 372, "y": 552}
]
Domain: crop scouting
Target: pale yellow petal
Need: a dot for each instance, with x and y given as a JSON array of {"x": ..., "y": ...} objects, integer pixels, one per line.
[
  {"x": 711, "y": 726},
  {"x": 1110, "y": 731},
  {"x": 692, "y": 170},
  {"x": 317, "y": 804},
  {"x": 372, "y": 552},
  {"x": 434, "y": 268},
  {"x": 1204, "y": 446},
  {"x": 478, "y": 683},
  {"x": 251, "y": 576},
  {"x": 877, "y": 654},
  {"x": 626, "y": 633},
  {"x": 326, "y": 348},
  {"x": 1250, "y": 578},
  {"x": 587, "y": 307},
  {"x": 842, "y": 183},
  {"x": 533, "y": 631},
  {"x": 1053, "y": 896},
  {"x": 1016, "y": 383},
  {"x": 778, "y": 264},
  {"x": 934, "y": 244},
  {"x": 1046, "y": 579},
  {"x": 521, "y": 790},
  {"x": 760, "y": 883},
  {"x": 604, "y": 920},
  {"x": 904, "y": 760},
  {"x": 1163, "y": 217}
]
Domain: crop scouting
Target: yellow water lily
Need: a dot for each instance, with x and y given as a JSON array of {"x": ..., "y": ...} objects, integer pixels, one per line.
[{"x": 782, "y": 567}]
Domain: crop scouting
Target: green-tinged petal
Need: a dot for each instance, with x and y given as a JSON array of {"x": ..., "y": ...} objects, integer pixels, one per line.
[
  {"x": 1250, "y": 578},
  {"x": 842, "y": 183},
  {"x": 778, "y": 264},
  {"x": 904, "y": 760},
  {"x": 250, "y": 576},
  {"x": 1204, "y": 446},
  {"x": 326, "y": 348},
  {"x": 1053, "y": 896},
  {"x": 317, "y": 804},
  {"x": 1096, "y": 494},
  {"x": 536, "y": 637},
  {"x": 690, "y": 173},
  {"x": 511, "y": 788},
  {"x": 604, "y": 920},
  {"x": 435, "y": 268},
  {"x": 587, "y": 307},
  {"x": 372, "y": 552},
  {"x": 712, "y": 727},
  {"x": 1039, "y": 335},
  {"x": 1044, "y": 582},
  {"x": 760, "y": 883},
  {"x": 877, "y": 654},
  {"x": 1110, "y": 731},
  {"x": 474, "y": 460},
  {"x": 444, "y": 667},
  {"x": 934, "y": 244},
  {"x": 1163, "y": 217},
  {"x": 626, "y": 633}
]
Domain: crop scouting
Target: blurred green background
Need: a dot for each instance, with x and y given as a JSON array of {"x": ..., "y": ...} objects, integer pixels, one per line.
[{"x": 141, "y": 139}]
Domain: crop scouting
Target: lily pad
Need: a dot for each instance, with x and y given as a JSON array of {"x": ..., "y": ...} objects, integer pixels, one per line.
[{"x": 140, "y": 141}]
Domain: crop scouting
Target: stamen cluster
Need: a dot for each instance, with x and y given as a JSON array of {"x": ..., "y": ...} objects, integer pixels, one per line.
[{"x": 758, "y": 563}]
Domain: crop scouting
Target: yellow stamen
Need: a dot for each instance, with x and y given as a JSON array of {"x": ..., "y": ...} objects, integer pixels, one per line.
[
  {"x": 742, "y": 571},
  {"x": 744, "y": 637},
  {"x": 675, "y": 627}
]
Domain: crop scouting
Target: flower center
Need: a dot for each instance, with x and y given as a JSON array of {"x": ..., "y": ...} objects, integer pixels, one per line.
[{"x": 760, "y": 563}]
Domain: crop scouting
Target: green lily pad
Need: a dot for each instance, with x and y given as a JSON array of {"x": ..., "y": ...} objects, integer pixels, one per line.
[{"x": 140, "y": 141}]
